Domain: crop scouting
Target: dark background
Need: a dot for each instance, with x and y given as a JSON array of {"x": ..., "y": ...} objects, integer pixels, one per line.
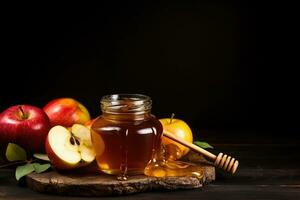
[{"x": 216, "y": 65}]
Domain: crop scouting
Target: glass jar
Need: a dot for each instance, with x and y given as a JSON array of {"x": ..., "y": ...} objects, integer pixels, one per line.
[{"x": 126, "y": 135}]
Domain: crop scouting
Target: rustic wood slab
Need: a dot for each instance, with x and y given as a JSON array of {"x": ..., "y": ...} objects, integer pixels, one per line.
[{"x": 105, "y": 185}]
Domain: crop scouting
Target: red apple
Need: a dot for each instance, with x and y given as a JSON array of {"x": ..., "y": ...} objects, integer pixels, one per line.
[
  {"x": 26, "y": 126},
  {"x": 66, "y": 112},
  {"x": 70, "y": 148}
]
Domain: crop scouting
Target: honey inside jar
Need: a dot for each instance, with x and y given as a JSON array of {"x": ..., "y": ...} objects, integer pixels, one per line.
[{"x": 126, "y": 135}]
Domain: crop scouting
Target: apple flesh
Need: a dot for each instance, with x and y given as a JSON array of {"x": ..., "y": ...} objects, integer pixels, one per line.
[
  {"x": 69, "y": 149},
  {"x": 66, "y": 112},
  {"x": 26, "y": 126}
]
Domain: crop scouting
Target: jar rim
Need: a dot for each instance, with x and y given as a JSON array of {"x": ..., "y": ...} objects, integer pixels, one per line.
[
  {"x": 126, "y": 103},
  {"x": 123, "y": 96}
]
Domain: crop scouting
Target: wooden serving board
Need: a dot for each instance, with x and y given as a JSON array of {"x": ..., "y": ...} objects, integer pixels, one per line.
[{"x": 74, "y": 184}]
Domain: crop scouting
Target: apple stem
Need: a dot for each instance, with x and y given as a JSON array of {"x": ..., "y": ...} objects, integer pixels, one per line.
[
  {"x": 172, "y": 117},
  {"x": 17, "y": 163},
  {"x": 12, "y": 164},
  {"x": 31, "y": 160},
  {"x": 24, "y": 116}
]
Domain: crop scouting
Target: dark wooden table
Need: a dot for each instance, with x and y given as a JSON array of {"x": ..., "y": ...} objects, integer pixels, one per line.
[{"x": 269, "y": 169}]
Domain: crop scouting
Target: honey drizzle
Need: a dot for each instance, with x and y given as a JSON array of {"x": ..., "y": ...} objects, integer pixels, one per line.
[
  {"x": 162, "y": 166},
  {"x": 124, "y": 151}
]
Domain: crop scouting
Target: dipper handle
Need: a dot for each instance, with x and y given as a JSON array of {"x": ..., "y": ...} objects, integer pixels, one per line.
[{"x": 222, "y": 161}]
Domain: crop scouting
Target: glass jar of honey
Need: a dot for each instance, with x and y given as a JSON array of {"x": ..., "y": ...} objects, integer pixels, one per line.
[{"x": 126, "y": 135}]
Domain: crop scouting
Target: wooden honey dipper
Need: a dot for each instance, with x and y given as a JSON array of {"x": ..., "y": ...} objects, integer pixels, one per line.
[{"x": 222, "y": 161}]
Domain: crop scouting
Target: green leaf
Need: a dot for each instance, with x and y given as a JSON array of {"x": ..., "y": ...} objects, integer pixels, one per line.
[
  {"x": 39, "y": 168},
  {"x": 24, "y": 170},
  {"x": 15, "y": 152},
  {"x": 204, "y": 145},
  {"x": 41, "y": 156}
]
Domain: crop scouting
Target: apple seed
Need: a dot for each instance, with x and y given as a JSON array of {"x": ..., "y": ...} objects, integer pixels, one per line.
[{"x": 72, "y": 140}]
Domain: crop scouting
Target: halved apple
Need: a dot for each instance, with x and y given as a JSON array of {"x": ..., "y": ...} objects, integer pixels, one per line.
[{"x": 70, "y": 148}]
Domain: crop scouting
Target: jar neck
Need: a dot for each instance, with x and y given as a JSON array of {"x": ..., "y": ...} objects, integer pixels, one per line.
[
  {"x": 126, "y": 107},
  {"x": 126, "y": 117}
]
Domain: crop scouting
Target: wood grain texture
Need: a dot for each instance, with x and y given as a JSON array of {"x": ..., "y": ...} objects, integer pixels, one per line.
[{"x": 106, "y": 185}]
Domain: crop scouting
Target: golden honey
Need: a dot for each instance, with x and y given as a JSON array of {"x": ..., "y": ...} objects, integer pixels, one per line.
[
  {"x": 163, "y": 164},
  {"x": 126, "y": 135}
]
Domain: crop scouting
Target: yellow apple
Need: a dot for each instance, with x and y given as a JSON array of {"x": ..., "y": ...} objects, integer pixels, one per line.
[{"x": 180, "y": 129}]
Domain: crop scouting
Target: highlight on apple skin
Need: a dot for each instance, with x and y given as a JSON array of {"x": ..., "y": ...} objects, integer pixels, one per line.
[
  {"x": 70, "y": 148},
  {"x": 66, "y": 112},
  {"x": 26, "y": 126}
]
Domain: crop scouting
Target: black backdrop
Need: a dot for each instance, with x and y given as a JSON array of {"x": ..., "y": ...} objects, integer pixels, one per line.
[{"x": 216, "y": 65}]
